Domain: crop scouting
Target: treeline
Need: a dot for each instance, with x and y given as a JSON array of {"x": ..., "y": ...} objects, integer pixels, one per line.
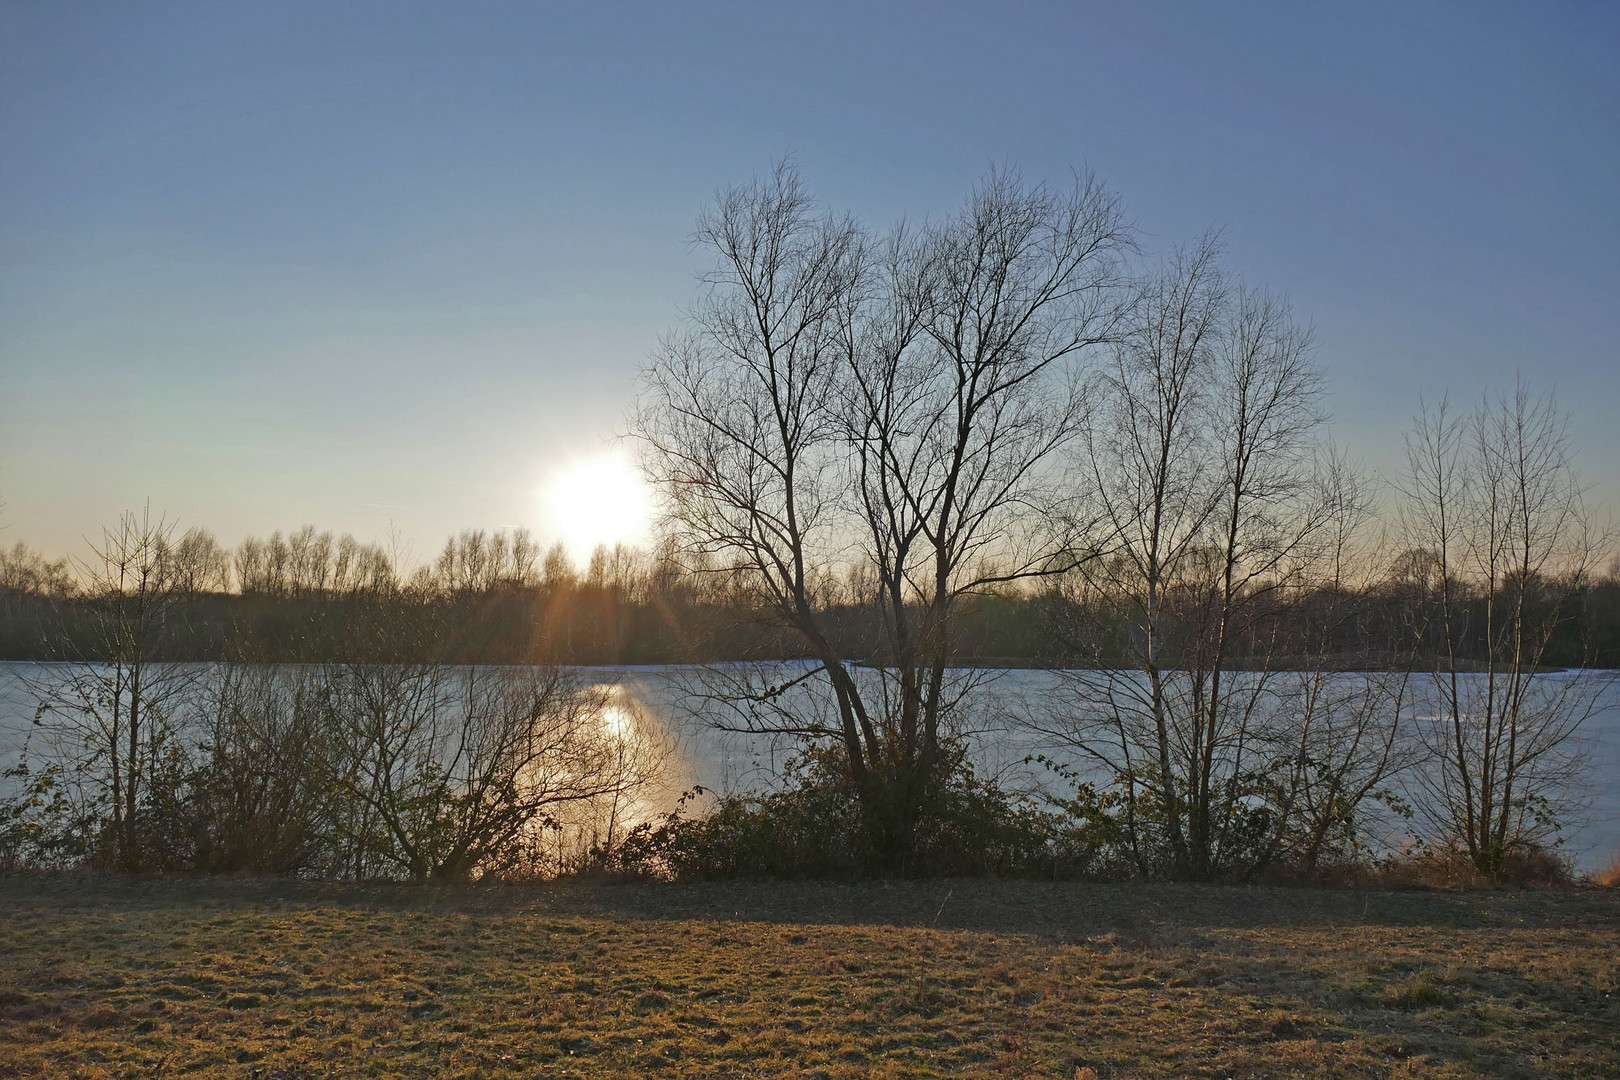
[
  {"x": 495, "y": 598},
  {"x": 492, "y": 597}
]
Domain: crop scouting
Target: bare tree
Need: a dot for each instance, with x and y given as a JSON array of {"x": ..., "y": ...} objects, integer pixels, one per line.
[
  {"x": 363, "y": 569},
  {"x": 199, "y": 564},
  {"x": 26, "y": 572},
  {"x": 108, "y": 711},
  {"x": 1492, "y": 500},
  {"x": 843, "y": 410},
  {"x": 262, "y": 566},
  {"x": 557, "y": 570},
  {"x": 480, "y": 562},
  {"x": 313, "y": 564},
  {"x": 309, "y": 562},
  {"x": 1347, "y": 733},
  {"x": 1216, "y": 508}
]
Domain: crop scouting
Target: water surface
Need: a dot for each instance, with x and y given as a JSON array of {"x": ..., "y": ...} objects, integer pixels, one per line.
[{"x": 698, "y": 755}]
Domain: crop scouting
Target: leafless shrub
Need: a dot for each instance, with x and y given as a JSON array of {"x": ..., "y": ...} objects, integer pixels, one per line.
[
  {"x": 260, "y": 795},
  {"x": 1453, "y": 868},
  {"x": 456, "y": 772},
  {"x": 1225, "y": 739},
  {"x": 1492, "y": 501},
  {"x": 110, "y": 722}
]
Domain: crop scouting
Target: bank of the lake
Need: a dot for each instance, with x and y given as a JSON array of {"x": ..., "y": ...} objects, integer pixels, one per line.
[
  {"x": 234, "y": 977},
  {"x": 696, "y": 755}
]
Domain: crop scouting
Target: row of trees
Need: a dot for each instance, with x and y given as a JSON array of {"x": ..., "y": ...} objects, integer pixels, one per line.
[
  {"x": 303, "y": 597},
  {"x": 1006, "y": 396},
  {"x": 632, "y": 605},
  {"x": 25, "y": 572},
  {"x": 307, "y": 563}
]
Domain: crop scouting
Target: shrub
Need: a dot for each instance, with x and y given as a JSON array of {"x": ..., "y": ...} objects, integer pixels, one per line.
[
  {"x": 1525, "y": 866},
  {"x": 40, "y": 828},
  {"x": 812, "y": 827}
]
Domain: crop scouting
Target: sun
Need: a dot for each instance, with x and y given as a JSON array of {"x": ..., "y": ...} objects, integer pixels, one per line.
[{"x": 597, "y": 501}]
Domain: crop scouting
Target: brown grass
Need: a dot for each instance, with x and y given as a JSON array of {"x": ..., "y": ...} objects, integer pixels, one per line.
[
  {"x": 1452, "y": 870},
  {"x": 1609, "y": 876},
  {"x": 284, "y": 981}
]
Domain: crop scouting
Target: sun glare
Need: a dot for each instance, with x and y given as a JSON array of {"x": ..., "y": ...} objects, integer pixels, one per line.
[
  {"x": 618, "y": 712},
  {"x": 600, "y": 501}
]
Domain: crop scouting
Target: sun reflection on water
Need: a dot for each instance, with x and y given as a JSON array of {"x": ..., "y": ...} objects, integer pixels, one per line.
[
  {"x": 618, "y": 713},
  {"x": 617, "y": 721}
]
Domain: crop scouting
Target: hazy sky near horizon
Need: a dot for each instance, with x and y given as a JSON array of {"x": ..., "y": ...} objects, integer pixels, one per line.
[{"x": 379, "y": 266}]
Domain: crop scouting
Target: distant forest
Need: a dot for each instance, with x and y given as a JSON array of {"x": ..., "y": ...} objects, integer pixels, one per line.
[{"x": 497, "y": 598}]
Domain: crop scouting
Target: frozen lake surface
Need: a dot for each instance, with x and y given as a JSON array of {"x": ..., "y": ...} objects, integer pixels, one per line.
[{"x": 727, "y": 762}]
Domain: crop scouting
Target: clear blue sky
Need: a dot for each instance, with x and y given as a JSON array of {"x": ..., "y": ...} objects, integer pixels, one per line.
[{"x": 360, "y": 264}]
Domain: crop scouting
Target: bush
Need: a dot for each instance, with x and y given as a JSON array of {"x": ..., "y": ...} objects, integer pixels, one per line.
[
  {"x": 1526, "y": 866},
  {"x": 812, "y": 827},
  {"x": 39, "y": 828}
]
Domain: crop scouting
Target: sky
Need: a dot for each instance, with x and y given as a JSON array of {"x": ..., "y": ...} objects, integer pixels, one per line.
[{"x": 387, "y": 268}]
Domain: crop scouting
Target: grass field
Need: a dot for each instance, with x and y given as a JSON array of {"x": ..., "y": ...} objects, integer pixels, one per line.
[{"x": 103, "y": 978}]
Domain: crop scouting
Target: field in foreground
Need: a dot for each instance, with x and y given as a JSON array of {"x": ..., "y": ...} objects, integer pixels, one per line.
[{"x": 102, "y": 978}]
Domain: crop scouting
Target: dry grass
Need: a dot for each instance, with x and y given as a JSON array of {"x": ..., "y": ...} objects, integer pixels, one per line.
[
  {"x": 1609, "y": 876},
  {"x": 275, "y": 980}
]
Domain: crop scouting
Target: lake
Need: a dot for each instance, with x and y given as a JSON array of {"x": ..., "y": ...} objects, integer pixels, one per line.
[{"x": 728, "y": 762}]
